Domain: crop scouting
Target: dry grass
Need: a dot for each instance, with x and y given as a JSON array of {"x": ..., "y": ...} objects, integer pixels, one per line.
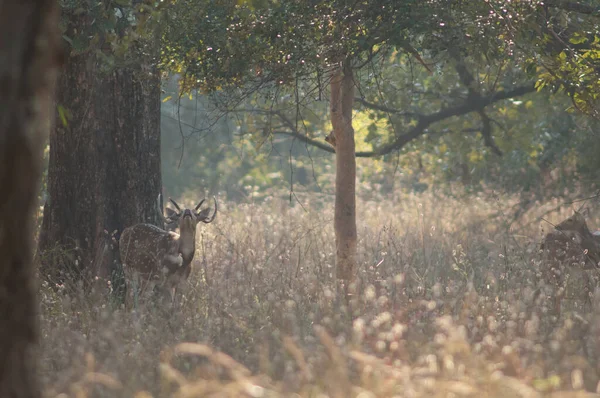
[{"x": 448, "y": 306}]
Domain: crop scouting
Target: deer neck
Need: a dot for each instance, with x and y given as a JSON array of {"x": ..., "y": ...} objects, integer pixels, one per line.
[
  {"x": 582, "y": 229},
  {"x": 187, "y": 244},
  {"x": 585, "y": 230}
]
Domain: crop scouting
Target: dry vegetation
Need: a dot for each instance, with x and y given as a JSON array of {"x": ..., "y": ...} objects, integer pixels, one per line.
[{"x": 449, "y": 306}]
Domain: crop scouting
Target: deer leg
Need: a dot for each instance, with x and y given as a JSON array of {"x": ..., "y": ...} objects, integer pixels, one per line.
[
  {"x": 131, "y": 286},
  {"x": 151, "y": 290},
  {"x": 145, "y": 287},
  {"x": 558, "y": 300},
  {"x": 134, "y": 292},
  {"x": 158, "y": 298},
  {"x": 173, "y": 296},
  {"x": 127, "y": 290},
  {"x": 171, "y": 268}
]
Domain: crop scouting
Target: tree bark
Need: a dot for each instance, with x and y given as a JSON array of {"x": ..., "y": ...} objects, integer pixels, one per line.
[
  {"x": 29, "y": 44},
  {"x": 104, "y": 167},
  {"x": 342, "y": 101}
]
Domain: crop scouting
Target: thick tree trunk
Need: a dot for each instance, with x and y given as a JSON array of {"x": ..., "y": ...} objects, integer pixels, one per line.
[
  {"x": 29, "y": 43},
  {"x": 342, "y": 100},
  {"x": 104, "y": 167}
]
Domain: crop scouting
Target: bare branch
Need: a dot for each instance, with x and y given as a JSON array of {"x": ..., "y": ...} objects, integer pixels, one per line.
[
  {"x": 463, "y": 109},
  {"x": 486, "y": 132},
  {"x": 425, "y": 121},
  {"x": 463, "y": 73},
  {"x": 370, "y": 57},
  {"x": 301, "y": 137},
  {"x": 475, "y": 96},
  {"x": 383, "y": 108},
  {"x": 574, "y": 6}
]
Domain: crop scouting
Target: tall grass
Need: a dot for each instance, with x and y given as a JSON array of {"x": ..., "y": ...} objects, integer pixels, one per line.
[{"x": 449, "y": 305}]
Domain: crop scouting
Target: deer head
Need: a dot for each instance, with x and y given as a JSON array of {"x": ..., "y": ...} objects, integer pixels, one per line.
[
  {"x": 153, "y": 257},
  {"x": 575, "y": 223},
  {"x": 185, "y": 219}
]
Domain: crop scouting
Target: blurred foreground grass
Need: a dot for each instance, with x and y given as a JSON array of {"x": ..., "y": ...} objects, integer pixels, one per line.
[{"x": 448, "y": 306}]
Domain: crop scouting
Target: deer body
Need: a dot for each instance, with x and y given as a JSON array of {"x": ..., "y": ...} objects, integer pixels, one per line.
[
  {"x": 156, "y": 258},
  {"x": 570, "y": 251},
  {"x": 578, "y": 242}
]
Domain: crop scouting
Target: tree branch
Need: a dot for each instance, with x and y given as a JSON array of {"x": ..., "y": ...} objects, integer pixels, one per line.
[
  {"x": 383, "y": 108},
  {"x": 574, "y": 6},
  {"x": 475, "y": 96},
  {"x": 425, "y": 121},
  {"x": 484, "y": 101},
  {"x": 305, "y": 139},
  {"x": 486, "y": 132},
  {"x": 464, "y": 75},
  {"x": 428, "y": 120}
]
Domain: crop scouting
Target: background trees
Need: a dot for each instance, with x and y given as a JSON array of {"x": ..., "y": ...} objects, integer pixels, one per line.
[
  {"x": 104, "y": 164},
  {"x": 450, "y": 89},
  {"x": 291, "y": 52},
  {"x": 445, "y": 100}
]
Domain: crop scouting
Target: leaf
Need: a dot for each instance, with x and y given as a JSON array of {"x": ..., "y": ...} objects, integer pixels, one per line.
[
  {"x": 79, "y": 44},
  {"x": 577, "y": 39},
  {"x": 167, "y": 98},
  {"x": 63, "y": 114},
  {"x": 539, "y": 85}
]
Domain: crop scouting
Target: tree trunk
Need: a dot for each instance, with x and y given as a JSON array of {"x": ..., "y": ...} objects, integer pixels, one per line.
[
  {"x": 29, "y": 44},
  {"x": 342, "y": 100},
  {"x": 104, "y": 167}
]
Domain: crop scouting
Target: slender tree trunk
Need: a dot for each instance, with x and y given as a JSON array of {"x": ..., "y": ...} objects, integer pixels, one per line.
[
  {"x": 342, "y": 100},
  {"x": 29, "y": 44},
  {"x": 104, "y": 167}
]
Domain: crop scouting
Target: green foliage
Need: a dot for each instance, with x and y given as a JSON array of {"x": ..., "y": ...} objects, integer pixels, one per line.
[
  {"x": 568, "y": 50},
  {"x": 268, "y": 63},
  {"x": 117, "y": 32},
  {"x": 577, "y": 71},
  {"x": 255, "y": 43},
  {"x": 244, "y": 156}
]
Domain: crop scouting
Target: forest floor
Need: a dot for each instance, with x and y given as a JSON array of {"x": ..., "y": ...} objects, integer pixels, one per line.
[{"x": 449, "y": 306}]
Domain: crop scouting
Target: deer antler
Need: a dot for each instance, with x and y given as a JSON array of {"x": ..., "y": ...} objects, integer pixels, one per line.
[
  {"x": 176, "y": 206},
  {"x": 207, "y": 220},
  {"x": 199, "y": 204}
]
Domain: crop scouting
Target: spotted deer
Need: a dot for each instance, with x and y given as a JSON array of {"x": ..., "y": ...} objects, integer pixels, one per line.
[
  {"x": 156, "y": 258},
  {"x": 570, "y": 251}
]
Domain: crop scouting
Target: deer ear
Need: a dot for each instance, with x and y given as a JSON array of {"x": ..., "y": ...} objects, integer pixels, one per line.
[
  {"x": 583, "y": 210},
  {"x": 171, "y": 213},
  {"x": 204, "y": 213}
]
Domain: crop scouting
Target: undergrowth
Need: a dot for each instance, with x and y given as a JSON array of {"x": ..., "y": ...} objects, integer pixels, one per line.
[{"x": 449, "y": 304}]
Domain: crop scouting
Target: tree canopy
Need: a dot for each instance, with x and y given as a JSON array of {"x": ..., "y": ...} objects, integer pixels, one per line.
[
  {"x": 268, "y": 62},
  {"x": 498, "y": 50}
]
